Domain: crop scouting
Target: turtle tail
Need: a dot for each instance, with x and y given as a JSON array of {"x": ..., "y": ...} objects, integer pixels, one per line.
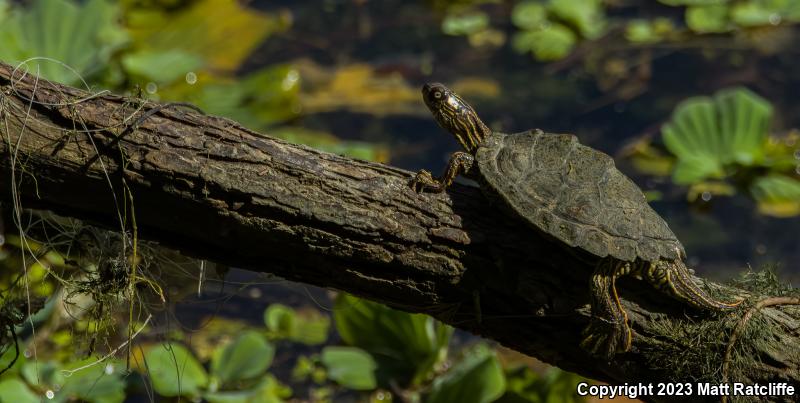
[{"x": 672, "y": 277}]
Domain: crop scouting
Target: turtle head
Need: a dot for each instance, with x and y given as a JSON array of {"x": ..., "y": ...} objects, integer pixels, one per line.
[{"x": 455, "y": 115}]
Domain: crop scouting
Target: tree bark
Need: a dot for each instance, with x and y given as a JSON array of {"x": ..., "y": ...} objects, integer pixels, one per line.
[{"x": 216, "y": 190}]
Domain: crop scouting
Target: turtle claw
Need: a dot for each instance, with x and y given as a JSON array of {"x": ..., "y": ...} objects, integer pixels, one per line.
[
  {"x": 423, "y": 179},
  {"x": 604, "y": 338}
]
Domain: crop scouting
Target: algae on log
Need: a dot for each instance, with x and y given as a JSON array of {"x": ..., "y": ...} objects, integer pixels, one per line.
[{"x": 215, "y": 190}]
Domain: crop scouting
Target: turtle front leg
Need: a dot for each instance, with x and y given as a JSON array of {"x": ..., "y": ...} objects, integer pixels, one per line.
[
  {"x": 460, "y": 162},
  {"x": 608, "y": 332}
]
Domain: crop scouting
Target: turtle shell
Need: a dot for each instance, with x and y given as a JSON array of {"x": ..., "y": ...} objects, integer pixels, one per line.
[{"x": 574, "y": 193}]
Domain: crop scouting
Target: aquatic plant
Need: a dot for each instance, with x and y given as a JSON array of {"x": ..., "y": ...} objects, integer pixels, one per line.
[
  {"x": 81, "y": 36},
  {"x": 727, "y": 15},
  {"x": 720, "y": 144},
  {"x": 551, "y": 30},
  {"x": 708, "y": 135}
]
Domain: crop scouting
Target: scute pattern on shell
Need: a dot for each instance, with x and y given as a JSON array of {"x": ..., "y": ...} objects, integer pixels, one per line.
[{"x": 576, "y": 194}]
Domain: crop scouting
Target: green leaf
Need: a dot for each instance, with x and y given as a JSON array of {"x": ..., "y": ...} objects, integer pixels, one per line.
[
  {"x": 707, "y": 134},
  {"x": 308, "y": 327},
  {"x": 262, "y": 98},
  {"x": 269, "y": 390},
  {"x": 555, "y": 385},
  {"x": 97, "y": 383},
  {"x": 174, "y": 371},
  {"x": 529, "y": 15},
  {"x": 8, "y": 356},
  {"x": 222, "y": 32},
  {"x": 161, "y": 67},
  {"x": 644, "y": 31},
  {"x": 350, "y": 367},
  {"x": 553, "y": 42},
  {"x": 42, "y": 373},
  {"x": 14, "y": 390},
  {"x": 82, "y": 37},
  {"x": 777, "y": 195},
  {"x": 406, "y": 346},
  {"x": 692, "y": 2},
  {"x": 753, "y": 14},
  {"x": 585, "y": 15},
  {"x": 279, "y": 319},
  {"x": 248, "y": 356},
  {"x": 478, "y": 378},
  {"x": 708, "y": 19},
  {"x": 465, "y": 24}
]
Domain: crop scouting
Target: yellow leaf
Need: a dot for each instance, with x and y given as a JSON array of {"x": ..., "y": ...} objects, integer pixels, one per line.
[{"x": 221, "y": 31}]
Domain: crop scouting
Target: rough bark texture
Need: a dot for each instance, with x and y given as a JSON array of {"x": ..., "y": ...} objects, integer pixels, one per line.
[{"x": 215, "y": 190}]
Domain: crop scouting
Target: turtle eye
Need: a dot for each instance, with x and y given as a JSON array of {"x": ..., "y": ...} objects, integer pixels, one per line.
[{"x": 437, "y": 94}]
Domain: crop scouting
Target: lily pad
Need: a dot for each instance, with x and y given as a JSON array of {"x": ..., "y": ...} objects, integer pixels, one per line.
[{"x": 706, "y": 134}]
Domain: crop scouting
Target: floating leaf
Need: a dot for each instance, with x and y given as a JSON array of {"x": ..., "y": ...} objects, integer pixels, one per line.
[
  {"x": 269, "y": 390},
  {"x": 753, "y": 14},
  {"x": 585, "y": 15},
  {"x": 248, "y": 356},
  {"x": 692, "y": 2},
  {"x": 553, "y": 42},
  {"x": 708, "y": 19},
  {"x": 161, "y": 67},
  {"x": 405, "y": 345},
  {"x": 350, "y": 367},
  {"x": 555, "y": 385},
  {"x": 529, "y": 15},
  {"x": 359, "y": 88},
  {"x": 777, "y": 195},
  {"x": 262, "y": 98},
  {"x": 644, "y": 31},
  {"x": 174, "y": 371},
  {"x": 97, "y": 383},
  {"x": 205, "y": 29},
  {"x": 477, "y": 377},
  {"x": 308, "y": 327},
  {"x": 701, "y": 190},
  {"x": 708, "y": 133},
  {"x": 16, "y": 391},
  {"x": 465, "y": 24},
  {"x": 648, "y": 159},
  {"x": 80, "y": 36}
]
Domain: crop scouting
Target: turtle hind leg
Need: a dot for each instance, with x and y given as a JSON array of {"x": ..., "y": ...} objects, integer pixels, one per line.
[
  {"x": 673, "y": 278},
  {"x": 608, "y": 332}
]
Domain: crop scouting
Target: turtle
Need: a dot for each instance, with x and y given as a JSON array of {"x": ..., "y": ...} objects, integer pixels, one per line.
[{"x": 575, "y": 195}]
